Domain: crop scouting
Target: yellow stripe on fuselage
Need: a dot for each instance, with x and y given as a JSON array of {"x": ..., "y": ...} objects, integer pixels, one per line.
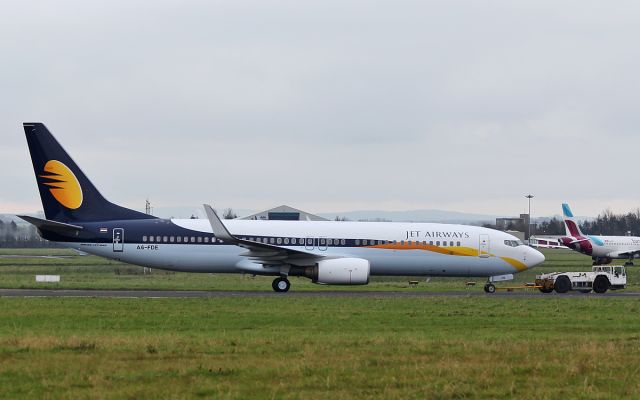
[
  {"x": 452, "y": 251},
  {"x": 520, "y": 266}
]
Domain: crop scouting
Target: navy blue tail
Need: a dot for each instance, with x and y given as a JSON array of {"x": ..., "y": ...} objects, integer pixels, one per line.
[{"x": 67, "y": 195}]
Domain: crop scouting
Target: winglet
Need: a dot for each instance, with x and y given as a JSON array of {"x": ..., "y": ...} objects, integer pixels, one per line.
[
  {"x": 219, "y": 230},
  {"x": 566, "y": 210}
]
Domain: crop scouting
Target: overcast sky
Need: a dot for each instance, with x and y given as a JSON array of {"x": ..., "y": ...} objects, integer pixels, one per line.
[{"x": 329, "y": 105}]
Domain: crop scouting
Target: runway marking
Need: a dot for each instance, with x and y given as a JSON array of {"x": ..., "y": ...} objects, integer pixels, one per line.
[{"x": 161, "y": 294}]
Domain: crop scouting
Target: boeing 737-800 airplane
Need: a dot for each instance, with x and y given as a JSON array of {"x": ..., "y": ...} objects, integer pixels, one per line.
[
  {"x": 602, "y": 249},
  {"x": 341, "y": 253}
]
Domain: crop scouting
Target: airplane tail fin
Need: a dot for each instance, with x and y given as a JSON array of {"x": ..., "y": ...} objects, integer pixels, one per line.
[
  {"x": 570, "y": 225},
  {"x": 67, "y": 194}
]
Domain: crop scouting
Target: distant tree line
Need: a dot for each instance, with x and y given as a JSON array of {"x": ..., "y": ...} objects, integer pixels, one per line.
[
  {"x": 14, "y": 235},
  {"x": 553, "y": 226},
  {"x": 606, "y": 223},
  {"x": 609, "y": 223}
]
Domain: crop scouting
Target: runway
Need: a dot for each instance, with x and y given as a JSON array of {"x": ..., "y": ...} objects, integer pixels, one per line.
[{"x": 345, "y": 294}]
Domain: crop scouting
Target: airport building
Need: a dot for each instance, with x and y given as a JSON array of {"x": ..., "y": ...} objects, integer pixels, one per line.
[
  {"x": 285, "y": 213},
  {"x": 516, "y": 224}
]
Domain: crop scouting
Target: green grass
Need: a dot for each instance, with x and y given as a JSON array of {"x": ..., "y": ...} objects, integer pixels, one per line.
[
  {"x": 285, "y": 347},
  {"x": 330, "y": 348}
]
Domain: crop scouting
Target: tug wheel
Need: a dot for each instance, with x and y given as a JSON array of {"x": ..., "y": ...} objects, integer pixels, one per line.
[
  {"x": 601, "y": 284},
  {"x": 562, "y": 284}
]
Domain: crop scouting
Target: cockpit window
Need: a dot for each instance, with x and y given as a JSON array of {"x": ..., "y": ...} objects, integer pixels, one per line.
[{"x": 513, "y": 243}]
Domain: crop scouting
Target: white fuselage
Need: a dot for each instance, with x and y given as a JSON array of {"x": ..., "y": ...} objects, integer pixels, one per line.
[
  {"x": 614, "y": 246},
  {"x": 400, "y": 249}
]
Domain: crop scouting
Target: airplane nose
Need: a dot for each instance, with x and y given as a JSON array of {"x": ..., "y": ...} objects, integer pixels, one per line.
[{"x": 534, "y": 257}]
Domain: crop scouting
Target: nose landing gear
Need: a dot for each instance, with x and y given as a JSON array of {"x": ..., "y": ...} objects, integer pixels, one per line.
[{"x": 489, "y": 287}]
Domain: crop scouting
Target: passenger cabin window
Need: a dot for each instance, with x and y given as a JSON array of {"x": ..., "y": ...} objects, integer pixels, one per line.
[
  {"x": 158, "y": 239},
  {"x": 199, "y": 239},
  {"x": 437, "y": 243},
  {"x": 206, "y": 239},
  {"x": 165, "y": 239},
  {"x": 172, "y": 239},
  {"x": 151, "y": 238},
  {"x": 193, "y": 239},
  {"x": 144, "y": 238}
]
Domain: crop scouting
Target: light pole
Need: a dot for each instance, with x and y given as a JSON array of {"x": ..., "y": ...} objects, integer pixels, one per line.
[{"x": 529, "y": 196}]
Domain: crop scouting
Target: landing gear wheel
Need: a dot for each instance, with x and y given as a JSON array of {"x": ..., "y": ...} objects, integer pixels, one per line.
[
  {"x": 562, "y": 284},
  {"x": 601, "y": 284},
  {"x": 490, "y": 288},
  {"x": 281, "y": 285}
]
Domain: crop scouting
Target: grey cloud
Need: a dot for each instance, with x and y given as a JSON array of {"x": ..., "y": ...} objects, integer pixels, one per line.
[{"x": 328, "y": 104}]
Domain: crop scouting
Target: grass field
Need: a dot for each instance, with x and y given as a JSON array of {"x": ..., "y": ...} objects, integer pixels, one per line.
[
  {"x": 284, "y": 347},
  {"x": 302, "y": 348}
]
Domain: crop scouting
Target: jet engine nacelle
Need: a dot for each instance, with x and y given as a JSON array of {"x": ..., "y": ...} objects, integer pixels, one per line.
[
  {"x": 340, "y": 271},
  {"x": 602, "y": 260}
]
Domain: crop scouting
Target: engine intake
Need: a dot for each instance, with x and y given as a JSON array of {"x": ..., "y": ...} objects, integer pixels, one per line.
[{"x": 340, "y": 271}]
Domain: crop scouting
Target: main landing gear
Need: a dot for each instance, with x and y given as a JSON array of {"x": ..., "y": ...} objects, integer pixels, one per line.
[{"x": 281, "y": 284}]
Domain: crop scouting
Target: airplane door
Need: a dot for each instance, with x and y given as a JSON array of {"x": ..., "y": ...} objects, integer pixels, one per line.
[
  {"x": 308, "y": 244},
  {"x": 118, "y": 239},
  {"x": 483, "y": 246}
]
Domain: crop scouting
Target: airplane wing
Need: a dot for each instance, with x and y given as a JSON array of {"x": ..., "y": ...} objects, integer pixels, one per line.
[
  {"x": 263, "y": 253},
  {"x": 629, "y": 253}
]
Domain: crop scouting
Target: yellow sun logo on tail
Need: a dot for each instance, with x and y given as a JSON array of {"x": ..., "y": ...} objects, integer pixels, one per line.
[{"x": 63, "y": 184}]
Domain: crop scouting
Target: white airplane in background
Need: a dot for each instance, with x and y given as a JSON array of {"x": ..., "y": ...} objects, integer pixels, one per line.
[
  {"x": 602, "y": 249},
  {"x": 340, "y": 253}
]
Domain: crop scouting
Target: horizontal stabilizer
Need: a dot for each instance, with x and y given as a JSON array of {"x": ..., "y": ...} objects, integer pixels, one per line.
[
  {"x": 49, "y": 225},
  {"x": 578, "y": 241}
]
